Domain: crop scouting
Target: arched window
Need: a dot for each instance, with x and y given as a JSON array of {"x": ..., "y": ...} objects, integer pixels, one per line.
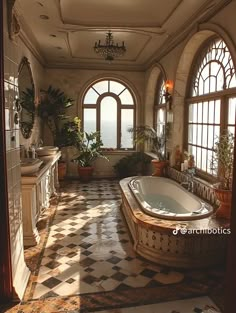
[
  {"x": 109, "y": 107},
  {"x": 160, "y": 108},
  {"x": 212, "y": 102}
]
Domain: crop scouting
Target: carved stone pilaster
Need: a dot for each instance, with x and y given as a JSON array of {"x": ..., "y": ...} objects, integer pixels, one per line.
[{"x": 12, "y": 20}]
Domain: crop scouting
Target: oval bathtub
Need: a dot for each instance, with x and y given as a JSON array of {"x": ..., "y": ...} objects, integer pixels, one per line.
[
  {"x": 163, "y": 198},
  {"x": 171, "y": 239}
]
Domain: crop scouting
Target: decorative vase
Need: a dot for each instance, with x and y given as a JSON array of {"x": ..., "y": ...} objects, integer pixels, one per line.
[
  {"x": 85, "y": 173},
  {"x": 61, "y": 170},
  {"x": 224, "y": 197},
  {"x": 159, "y": 167}
]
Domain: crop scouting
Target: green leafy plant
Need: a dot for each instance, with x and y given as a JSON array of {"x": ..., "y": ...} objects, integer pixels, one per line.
[
  {"x": 89, "y": 145},
  {"x": 222, "y": 161},
  {"x": 131, "y": 165},
  {"x": 147, "y": 134},
  {"x": 52, "y": 109}
]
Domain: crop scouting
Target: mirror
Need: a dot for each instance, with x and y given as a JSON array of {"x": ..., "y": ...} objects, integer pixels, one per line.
[{"x": 26, "y": 98}]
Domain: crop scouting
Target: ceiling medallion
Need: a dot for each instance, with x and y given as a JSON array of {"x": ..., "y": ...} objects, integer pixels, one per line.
[{"x": 109, "y": 51}]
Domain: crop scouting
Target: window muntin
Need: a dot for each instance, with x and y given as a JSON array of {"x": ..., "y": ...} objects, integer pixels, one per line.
[
  {"x": 214, "y": 69},
  {"x": 208, "y": 112},
  {"x": 112, "y": 112}
]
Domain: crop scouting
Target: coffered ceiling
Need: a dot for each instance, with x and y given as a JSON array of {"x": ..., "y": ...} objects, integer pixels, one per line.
[{"x": 63, "y": 32}]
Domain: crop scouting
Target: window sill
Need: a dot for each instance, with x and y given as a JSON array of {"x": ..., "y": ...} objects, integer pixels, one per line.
[{"x": 117, "y": 152}]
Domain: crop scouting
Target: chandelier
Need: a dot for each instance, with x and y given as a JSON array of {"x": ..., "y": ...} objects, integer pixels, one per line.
[{"x": 109, "y": 51}]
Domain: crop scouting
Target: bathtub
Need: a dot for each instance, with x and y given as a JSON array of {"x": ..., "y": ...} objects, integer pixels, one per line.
[
  {"x": 178, "y": 239},
  {"x": 163, "y": 198}
]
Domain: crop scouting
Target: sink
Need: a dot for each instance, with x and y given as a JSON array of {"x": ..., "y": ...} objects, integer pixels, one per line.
[
  {"x": 46, "y": 151},
  {"x": 30, "y": 166}
]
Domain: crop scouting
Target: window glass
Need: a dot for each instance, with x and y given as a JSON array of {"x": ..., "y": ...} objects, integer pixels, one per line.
[
  {"x": 109, "y": 122},
  {"x": 112, "y": 118},
  {"x": 101, "y": 87},
  {"x": 126, "y": 97},
  {"x": 89, "y": 120},
  {"x": 91, "y": 97},
  {"x": 116, "y": 87},
  {"x": 127, "y": 121}
]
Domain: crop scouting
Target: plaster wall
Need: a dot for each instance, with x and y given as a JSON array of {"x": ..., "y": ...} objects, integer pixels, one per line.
[
  {"x": 74, "y": 83},
  {"x": 14, "y": 50}
]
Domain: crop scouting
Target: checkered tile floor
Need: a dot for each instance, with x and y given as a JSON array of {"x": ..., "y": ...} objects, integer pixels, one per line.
[{"x": 89, "y": 249}]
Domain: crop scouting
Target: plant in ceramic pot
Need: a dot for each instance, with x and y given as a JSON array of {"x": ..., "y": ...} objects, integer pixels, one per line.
[
  {"x": 222, "y": 164},
  {"x": 89, "y": 147},
  {"x": 156, "y": 142}
]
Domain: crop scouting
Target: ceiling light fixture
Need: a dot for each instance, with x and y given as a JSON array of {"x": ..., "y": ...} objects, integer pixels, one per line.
[
  {"x": 109, "y": 51},
  {"x": 44, "y": 17}
]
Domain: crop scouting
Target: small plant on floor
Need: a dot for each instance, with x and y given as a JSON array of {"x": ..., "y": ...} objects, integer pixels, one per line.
[
  {"x": 134, "y": 164},
  {"x": 89, "y": 146}
]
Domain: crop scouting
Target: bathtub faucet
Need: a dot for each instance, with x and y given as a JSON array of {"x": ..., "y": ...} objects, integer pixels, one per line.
[{"x": 189, "y": 183}]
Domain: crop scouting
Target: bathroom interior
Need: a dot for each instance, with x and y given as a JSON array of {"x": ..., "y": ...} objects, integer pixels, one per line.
[{"x": 136, "y": 85}]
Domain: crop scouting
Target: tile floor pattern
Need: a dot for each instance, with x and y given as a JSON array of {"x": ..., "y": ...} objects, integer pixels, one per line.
[
  {"x": 85, "y": 261},
  {"x": 89, "y": 249}
]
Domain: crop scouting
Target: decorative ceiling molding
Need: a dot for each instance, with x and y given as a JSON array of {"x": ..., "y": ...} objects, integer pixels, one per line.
[
  {"x": 117, "y": 24},
  {"x": 205, "y": 13},
  {"x": 98, "y": 66},
  {"x": 159, "y": 42},
  {"x": 12, "y": 20},
  {"x": 134, "y": 58},
  {"x": 38, "y": 55}
]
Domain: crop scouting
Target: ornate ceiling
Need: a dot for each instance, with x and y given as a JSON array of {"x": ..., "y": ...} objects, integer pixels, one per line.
[{"x": 63, "y": 32}]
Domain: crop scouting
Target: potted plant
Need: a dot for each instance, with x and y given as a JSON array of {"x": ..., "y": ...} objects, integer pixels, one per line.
[
  {"x": 131, "y": 165},
  {"x": 52, "y": 110},
  {"x": 89, "y": 147},
  {"x": 147, "y": 134},
  {"x": 222, "y": 165}
]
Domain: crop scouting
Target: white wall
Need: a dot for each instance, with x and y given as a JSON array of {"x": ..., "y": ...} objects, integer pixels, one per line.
[{"x": 13, "y": 52}]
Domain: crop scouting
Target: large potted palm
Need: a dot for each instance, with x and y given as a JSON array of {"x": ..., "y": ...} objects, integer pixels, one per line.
[
  {"x": 156, "y": 142},
  {"x": 52, "y": 110},
  {"x": 222, "y": 166},
  {"x": 89, "y": 146}
]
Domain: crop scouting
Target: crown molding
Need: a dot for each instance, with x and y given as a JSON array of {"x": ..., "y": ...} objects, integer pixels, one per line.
[
  {"x": 186, "y": 30},
  {"x": 96, "y": 66}
]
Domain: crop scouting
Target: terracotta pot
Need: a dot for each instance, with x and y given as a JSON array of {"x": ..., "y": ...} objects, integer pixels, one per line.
[
  {"x": 159, "y": 167},
  {"x": 61, "y": 170},
  {"x": 85, "y": 173},
  {"x": 224, "y": 197}
]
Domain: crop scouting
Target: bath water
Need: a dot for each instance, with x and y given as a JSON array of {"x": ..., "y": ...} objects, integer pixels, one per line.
[{"x": 164, "y": 203}]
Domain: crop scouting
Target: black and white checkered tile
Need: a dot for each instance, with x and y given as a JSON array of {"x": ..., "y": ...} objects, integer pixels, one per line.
[{"x": 89, "y": 248}]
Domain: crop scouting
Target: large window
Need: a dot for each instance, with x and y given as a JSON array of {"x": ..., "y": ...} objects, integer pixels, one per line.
[
  {"x": 211, "y": 107},
  {"x": 160, "y": 109},
  {"x": 109, "y": 107}
]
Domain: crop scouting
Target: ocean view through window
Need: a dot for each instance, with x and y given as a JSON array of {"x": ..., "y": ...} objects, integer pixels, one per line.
[{"x": 109, "y": 107}]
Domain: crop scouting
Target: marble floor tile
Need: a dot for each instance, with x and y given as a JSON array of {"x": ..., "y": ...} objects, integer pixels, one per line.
[{"x": 87, "y": 254}]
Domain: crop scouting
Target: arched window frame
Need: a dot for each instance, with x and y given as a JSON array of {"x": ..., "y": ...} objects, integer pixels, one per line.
[
  {"x": 120, "y": 106},
  {"x": 160, "y": 108},
  {"x": 207, "y": 124}
]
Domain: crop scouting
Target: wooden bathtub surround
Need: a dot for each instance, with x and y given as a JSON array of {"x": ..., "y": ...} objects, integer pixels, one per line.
[{"x": 154, "y": 239}]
